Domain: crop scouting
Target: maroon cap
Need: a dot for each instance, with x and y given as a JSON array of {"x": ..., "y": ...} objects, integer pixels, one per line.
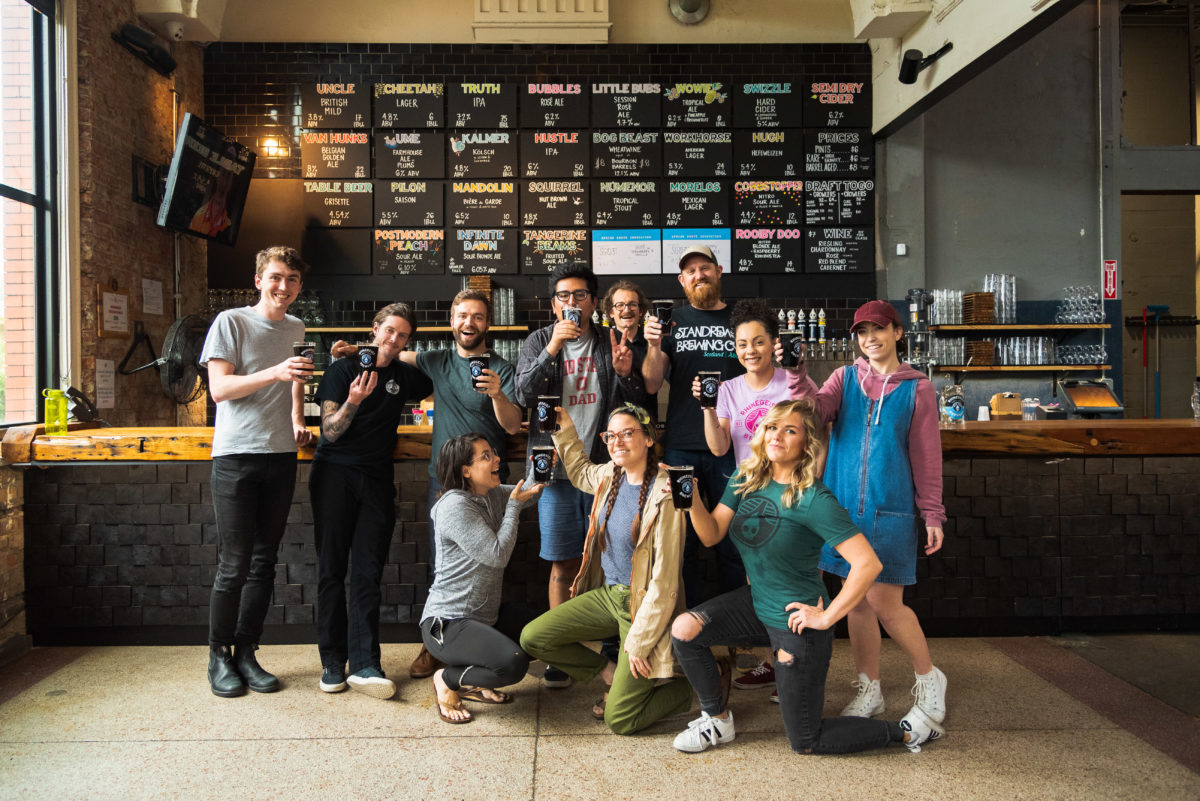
[{"x": 879, "y": 312}]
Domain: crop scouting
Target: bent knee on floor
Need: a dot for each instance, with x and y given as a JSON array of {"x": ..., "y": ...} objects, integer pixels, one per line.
[{"x": 623, "y": 725}]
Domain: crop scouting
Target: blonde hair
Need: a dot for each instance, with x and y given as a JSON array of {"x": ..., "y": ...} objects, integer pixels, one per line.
[{"x": 754, "y": 473}]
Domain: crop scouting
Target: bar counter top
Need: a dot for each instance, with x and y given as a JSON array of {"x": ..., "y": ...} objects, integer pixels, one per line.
[{"x": 89, "y": 443}]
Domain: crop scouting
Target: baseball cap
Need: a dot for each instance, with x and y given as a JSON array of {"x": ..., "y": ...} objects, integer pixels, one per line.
[
  {"x": 879, "y": 312},
  {"x": 697, "y": 250}
]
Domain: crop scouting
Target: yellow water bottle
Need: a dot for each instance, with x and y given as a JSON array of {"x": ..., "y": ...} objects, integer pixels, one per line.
[{"x": 56, "y": 411}]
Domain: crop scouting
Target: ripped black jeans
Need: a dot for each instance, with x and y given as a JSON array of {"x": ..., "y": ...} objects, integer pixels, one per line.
[{"x": 729, "y": 619}]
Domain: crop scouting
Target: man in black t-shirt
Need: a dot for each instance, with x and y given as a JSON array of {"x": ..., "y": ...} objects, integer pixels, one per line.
[
  {"x": 699, "y": 339},
  {"x": 353, "y": 500}
]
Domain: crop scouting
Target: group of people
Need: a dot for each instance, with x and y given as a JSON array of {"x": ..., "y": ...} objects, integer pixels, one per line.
[{"x": 789, "y": 481}]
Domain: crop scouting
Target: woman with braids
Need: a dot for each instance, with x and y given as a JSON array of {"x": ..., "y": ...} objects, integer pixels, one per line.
[
  {"x": 779, "y": 515},
  {"x": 629, "y": 582}
]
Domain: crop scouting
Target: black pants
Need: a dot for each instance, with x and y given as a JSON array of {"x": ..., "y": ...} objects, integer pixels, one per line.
[
  {"x": 354, "y": 513},
  {"x": 476, "y": 654},
  {"x": 252, "y": 494}
]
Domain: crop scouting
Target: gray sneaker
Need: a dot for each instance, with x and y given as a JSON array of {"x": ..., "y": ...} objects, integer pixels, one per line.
[
  {"x": 705, "y": 732},
  {"x": 930, "y": 692},
  {"x": 333, "y": 679},
  {"x": 919, "y": 729},
  {"x": 372, "y": 682}
]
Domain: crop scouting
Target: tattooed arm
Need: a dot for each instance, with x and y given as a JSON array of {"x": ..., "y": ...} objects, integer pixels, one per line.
[{"x": 335, "y": 419}]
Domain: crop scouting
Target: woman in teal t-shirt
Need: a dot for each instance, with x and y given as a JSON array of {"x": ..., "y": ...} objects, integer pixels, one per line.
[{"x": 779, "y": 515}]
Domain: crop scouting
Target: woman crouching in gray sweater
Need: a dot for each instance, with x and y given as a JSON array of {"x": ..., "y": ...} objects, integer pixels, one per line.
[{"x": 464, "y": 625}]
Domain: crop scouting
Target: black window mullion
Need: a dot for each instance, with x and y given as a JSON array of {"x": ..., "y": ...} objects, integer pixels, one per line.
[{"x": 45, "y": 231}]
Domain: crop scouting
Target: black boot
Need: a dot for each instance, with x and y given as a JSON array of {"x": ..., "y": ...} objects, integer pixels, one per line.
[
  {"x": 222, "y": 675},
  {"x": 258, "y": 679}
]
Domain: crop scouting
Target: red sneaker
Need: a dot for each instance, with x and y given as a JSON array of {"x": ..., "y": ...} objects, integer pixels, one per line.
[{"x": 756, "y": 679}]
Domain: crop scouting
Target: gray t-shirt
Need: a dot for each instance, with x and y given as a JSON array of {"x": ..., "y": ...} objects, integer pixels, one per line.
[
  {"x": 458, "y": 408},
  {"x": 617, "y": 558},
  {"x": 581, "y": 387},
  {"x": 261, "y": 422}
]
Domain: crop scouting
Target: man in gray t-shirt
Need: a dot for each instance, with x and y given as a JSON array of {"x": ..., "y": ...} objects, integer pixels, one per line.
[{"x": 258, "y": 386}]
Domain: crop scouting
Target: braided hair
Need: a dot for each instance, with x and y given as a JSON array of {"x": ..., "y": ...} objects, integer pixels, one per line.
[{"x": 643, "y": 419}]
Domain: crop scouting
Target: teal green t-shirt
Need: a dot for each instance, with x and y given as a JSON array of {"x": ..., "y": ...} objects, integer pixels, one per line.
[
  {"x": 781, "y": 547},
  {"x": 457, "y": 408}
]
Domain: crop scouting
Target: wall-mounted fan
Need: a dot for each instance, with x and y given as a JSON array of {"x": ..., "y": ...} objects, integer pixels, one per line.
[{"x": 183, "y": 379}]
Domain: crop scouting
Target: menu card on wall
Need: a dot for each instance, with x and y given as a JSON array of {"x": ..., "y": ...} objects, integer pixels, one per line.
[
  {"x": 844, "y": 202},
  {"x": 482, "y": 105},
  {"x": 335, "y": 105},
  {"x": 767, "y": 105},
  {"x": 335, "y": 154},
  {"x": 554, "y": 154},
  {"x": 332, "y": 204},
  {"x": 410, "y": 105},
  {"x": 696, "y": 105},
  {"x": 837, "y": 104},
  {"x": 337, "y": 251},
  {"x": 625, "y": 204},
  {"x": 626, "y": 154},
  {"x": 838, "y": 153},
  {"x": 626, "y": 105},
  {"x": 406, "y": 154},
  {"x": 554, "y": 105},
  {"x": 483, "y": 154},
  {"x": 768, "y": 250},
  {"x": 482, "y": 204},
  {"x": 768, "y": 154},
  {"x": 768, "y": 202},
  {"x": 410, "y": 251},
  {"x": 554, "y": 203},
  {"x": 676, "y": 240},
  {"x": 698, "y": 154},
  {"x": 695, "y": 204},
  {"x": 544, "y": 249},
  {"x": 838, "y": 250},
  {"x": 482, "y": 251},
  {"x": 620, "y": 252},
  {"x": 409, "y": 203}
]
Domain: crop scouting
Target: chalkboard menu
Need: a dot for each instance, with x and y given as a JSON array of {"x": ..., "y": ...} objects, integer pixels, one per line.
[
  {"x": 404, "y": 154},
  {"x": 409, "y": 203},
  {"x": 554, "y": 154},
  {"x": 838, "y": 250},
  {"x": 337, "y": 204},
  {"x": 768, "y": 250},
  {"x": 482, "y": 105},
  {"x": 696, "y": 105},
  {"x": 625, "y": 204},
  {"x": 626, "y": 105},
  {"x": 695, "y": 204},
  {"x": 837, "y": 104},
  {"x": 483, "y": 154},
  {"x": 768, "y": 154},
  {"x": 335, "y": 154},
  {"x": 698, "y": 154},
  {"x": 410, "y": 105},
  {"x": 838, "y": 152},
  {"x": 337, "y": 251},
  {"x": 839, "y": 202},
  {"x": 554, "y": 105},
  {"x": 768, "y": 202},
  {"x": 410, "y": 251},
  {"x": 481, "y": 204},
  {"x": 482, "y": 251},
  {"x": 554, "y": 202},
  {"x": 335, "y": 105},
  {"x": 767, "y": 105},
  {"x": 626, "y": 154},
  {"x": 544, "y": 249}
]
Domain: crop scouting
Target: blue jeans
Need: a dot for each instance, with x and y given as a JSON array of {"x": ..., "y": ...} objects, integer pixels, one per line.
[
  {"x": 713, "y": 473},
  {"x": 563, "y": 521}
]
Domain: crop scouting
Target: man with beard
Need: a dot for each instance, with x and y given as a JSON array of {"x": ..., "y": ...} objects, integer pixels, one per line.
[
  {"x": 699, "y": 339},
  {"x": 623, "y": 307},
  {"x": 353, "y": 500}
]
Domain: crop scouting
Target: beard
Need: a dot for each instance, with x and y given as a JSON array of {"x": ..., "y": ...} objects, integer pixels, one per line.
[
  {"x": 469, "y": 341},
  {"x": 704, "y": 295}
]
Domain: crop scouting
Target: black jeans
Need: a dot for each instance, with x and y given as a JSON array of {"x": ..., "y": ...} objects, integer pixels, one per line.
[
  {"x": 729, "y": 619},
  {"x": 476, "y": 654},
  {"x": 252, "y": 494},
  {"x": 354, "y": 513}
]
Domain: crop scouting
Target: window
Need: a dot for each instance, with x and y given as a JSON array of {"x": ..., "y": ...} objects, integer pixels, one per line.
[{"x": 28, "y": 291}]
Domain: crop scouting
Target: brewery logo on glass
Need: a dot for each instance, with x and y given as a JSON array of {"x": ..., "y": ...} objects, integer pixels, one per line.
[
  {"x": 709, "y": 386},
  {"x": 367, "y": 356},
  {"x": 547, "y": 417},
  {"x": 543, "y": 463},
  {"x": 797, "y": 348},
  {"x": 574, "y": 314},
  {"x": 681, "y": 486}
]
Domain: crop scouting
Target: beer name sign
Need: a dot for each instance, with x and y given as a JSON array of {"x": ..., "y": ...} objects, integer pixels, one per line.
[
  {"x": 626, "y": 105},
  {"x": 335, "y": 154},
  {"x": 487, "y": 251},
  {"x": 695, "y": 204},
  {"x": 837, "y": 104},
  {"x": 482, "y": 204},
  {"x": 337, "y": 204},
  {"x": 698, "y": 154},
  {"x": 768, "y": 250},
  {"x": 554, "y": 105},
  {"x": 626, "y": 154},
  {"x": 410, "y": 105},
  {"x": 409, "y": 203},
  {"x": 838, "y": 250},
  {"x": 766, "y": 105},
  {"x": 768, "y": 154},
  {"x": 405, "y": 154},
  {"x": 554, "y": 203},
  {"x": 544, "y": 249},
  {"x": 769, "y": 202},
  {"x": 335, "y": 105},
  {"x": 482, "y": 105},
  {"x": 839, "y": 202},
  {"x": 409, "y": 251},
  {"x": 625, "y": 204},
  {"x": 480, "y": 154},
  {"x": 696, "y": 105},
  {"x": 849, "y": 153},
  {"x": 554, "y": 154}
]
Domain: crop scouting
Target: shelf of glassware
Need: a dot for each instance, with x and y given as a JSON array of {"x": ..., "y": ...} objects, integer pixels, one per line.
[
  {"x": 424, "y": 329},
  {"x": 1020, "y": 327},
  {"x": 1020, "y": 368}
]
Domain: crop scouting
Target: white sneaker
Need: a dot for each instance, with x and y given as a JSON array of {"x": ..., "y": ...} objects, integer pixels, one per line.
[
  {"x": 705, "y": 732},
  {"x": 868, "y": 702},
  {"x": 372, "y": 682},
  {"x": 920, "y": 729},
  {"x": 930, "y": 692}
]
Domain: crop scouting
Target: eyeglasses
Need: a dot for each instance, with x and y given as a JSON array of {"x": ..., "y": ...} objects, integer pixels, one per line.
[
  {"x": 608, "y": 437},
  {"x": 633, "y": 304},
  {"x": 486, "y": 456},
  {"x": 580, "y": 295}
]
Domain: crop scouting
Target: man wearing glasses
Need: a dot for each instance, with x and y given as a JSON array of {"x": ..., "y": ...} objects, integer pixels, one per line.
[
  {"x": 592, "y": 374},
  {"x": 624, "y": 305}
]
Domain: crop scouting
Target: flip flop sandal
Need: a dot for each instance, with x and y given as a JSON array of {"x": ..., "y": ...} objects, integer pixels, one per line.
[
  {"x": 478, "y": 697},
  {"x": 453, "y": 708},
  {"x": 598, "y": 707}
]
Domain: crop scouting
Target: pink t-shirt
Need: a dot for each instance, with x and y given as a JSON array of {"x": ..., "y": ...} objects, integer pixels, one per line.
[{"x": 744, "y": 408}]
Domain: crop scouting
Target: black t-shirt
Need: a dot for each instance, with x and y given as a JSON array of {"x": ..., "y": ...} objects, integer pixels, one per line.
[
  {"x": 700, "y": 340},
  {"x": 370, "y": 440}
]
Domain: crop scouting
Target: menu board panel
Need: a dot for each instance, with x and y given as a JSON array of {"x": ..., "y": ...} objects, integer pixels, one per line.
[
  {"x": 626, "y": 105},
  {"x": 409, "y": 251},
  {"x": 838, "y": 152},
  {"x": 695, "y": 204},
  {"x": 544, "y": 249},
  {"x": 335, "y": 154},
  {"x": 767, "y": 105},
  {"x": 337, "y": 251},
  {"x": 676, "y": 240},
  {"x": 839, "y": 202},
  {"x": 768, "y": 250},
  {"x": 409, "y": 203},
  {"x": 838, "y": 250},
  {"x": 768, "y": 202},
  {"x": 625, "y": 204},
  {"x": 554, "y": 105},
  {"x": 837, "y": 104},
  {"x": 337, "y": 204},
  {"x": 404, "y": 154},
  {"x": 482, "y": 251},
  {"x": 554, "y": 203},
  {"x": 698, "y": 154},
  {"x": 335, "y": 105},
  {"x": 554, "y": 154},
  {"x": 768, "y": 154},
  {"x": 626, "y": 154},
  {"x": 482, "y": 204},
  {"x": 482, "y": 105},
  {"x": 696, "y": 105},
  {"x": 621, "y": 252},
  {"x": 410, "y": 105},
  {"x": 483, "y": 154}
]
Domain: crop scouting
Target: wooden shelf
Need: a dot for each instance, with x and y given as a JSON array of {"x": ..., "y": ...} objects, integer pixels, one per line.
[
  {"x": 1021, "y": 368},
  {"x": 424, "y": 329},
  {"x": 1021, "y": 327}
]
